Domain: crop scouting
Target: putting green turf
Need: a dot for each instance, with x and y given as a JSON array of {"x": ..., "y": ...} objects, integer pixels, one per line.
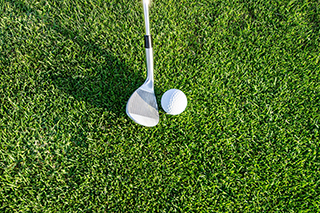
[{"x": 247, "y": 142}]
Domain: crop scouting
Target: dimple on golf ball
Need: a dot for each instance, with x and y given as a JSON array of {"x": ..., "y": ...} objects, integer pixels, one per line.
[{"x": 174, "y": 101}]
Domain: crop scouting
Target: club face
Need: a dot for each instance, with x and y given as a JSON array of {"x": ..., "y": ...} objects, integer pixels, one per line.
[{"x": 142, "y": 108}]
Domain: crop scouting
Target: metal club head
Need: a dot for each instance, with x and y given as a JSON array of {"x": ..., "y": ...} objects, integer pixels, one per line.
[{"x": 142, "y": 107}]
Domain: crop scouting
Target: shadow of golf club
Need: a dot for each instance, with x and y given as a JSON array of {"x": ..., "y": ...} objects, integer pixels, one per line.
[{"x": 102, "y": 80}]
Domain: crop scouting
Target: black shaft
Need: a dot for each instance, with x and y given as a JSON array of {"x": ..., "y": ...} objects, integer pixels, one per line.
[{"x": 147, "y": 41}]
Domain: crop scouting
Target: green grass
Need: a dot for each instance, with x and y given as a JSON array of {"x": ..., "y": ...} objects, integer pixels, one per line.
[{"x": 247, "y": 142}]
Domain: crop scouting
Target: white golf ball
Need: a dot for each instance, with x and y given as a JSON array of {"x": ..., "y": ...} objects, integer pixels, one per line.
[{"x": 174, "y": 101}]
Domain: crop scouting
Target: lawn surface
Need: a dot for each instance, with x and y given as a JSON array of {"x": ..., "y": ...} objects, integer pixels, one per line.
[{"x": 247, "y": 142}]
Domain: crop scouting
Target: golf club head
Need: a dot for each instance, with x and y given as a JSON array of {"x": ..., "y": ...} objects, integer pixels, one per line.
[{"x": 142, "y": 107}]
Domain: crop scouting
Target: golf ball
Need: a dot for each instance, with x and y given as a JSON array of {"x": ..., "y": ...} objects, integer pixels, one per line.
[{"x": 174, "y": 101}]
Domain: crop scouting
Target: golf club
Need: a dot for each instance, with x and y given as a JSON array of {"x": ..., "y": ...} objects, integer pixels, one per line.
[{"x": 142, "y": 105}]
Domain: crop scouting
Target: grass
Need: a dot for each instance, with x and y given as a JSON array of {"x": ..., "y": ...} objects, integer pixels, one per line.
[{"x": 247, "y": 142}]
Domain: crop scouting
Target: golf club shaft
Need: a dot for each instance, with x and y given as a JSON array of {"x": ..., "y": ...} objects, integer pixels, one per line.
[
  {"x": 148, "y": 46},
  {"x": 146, "y": 17}
]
